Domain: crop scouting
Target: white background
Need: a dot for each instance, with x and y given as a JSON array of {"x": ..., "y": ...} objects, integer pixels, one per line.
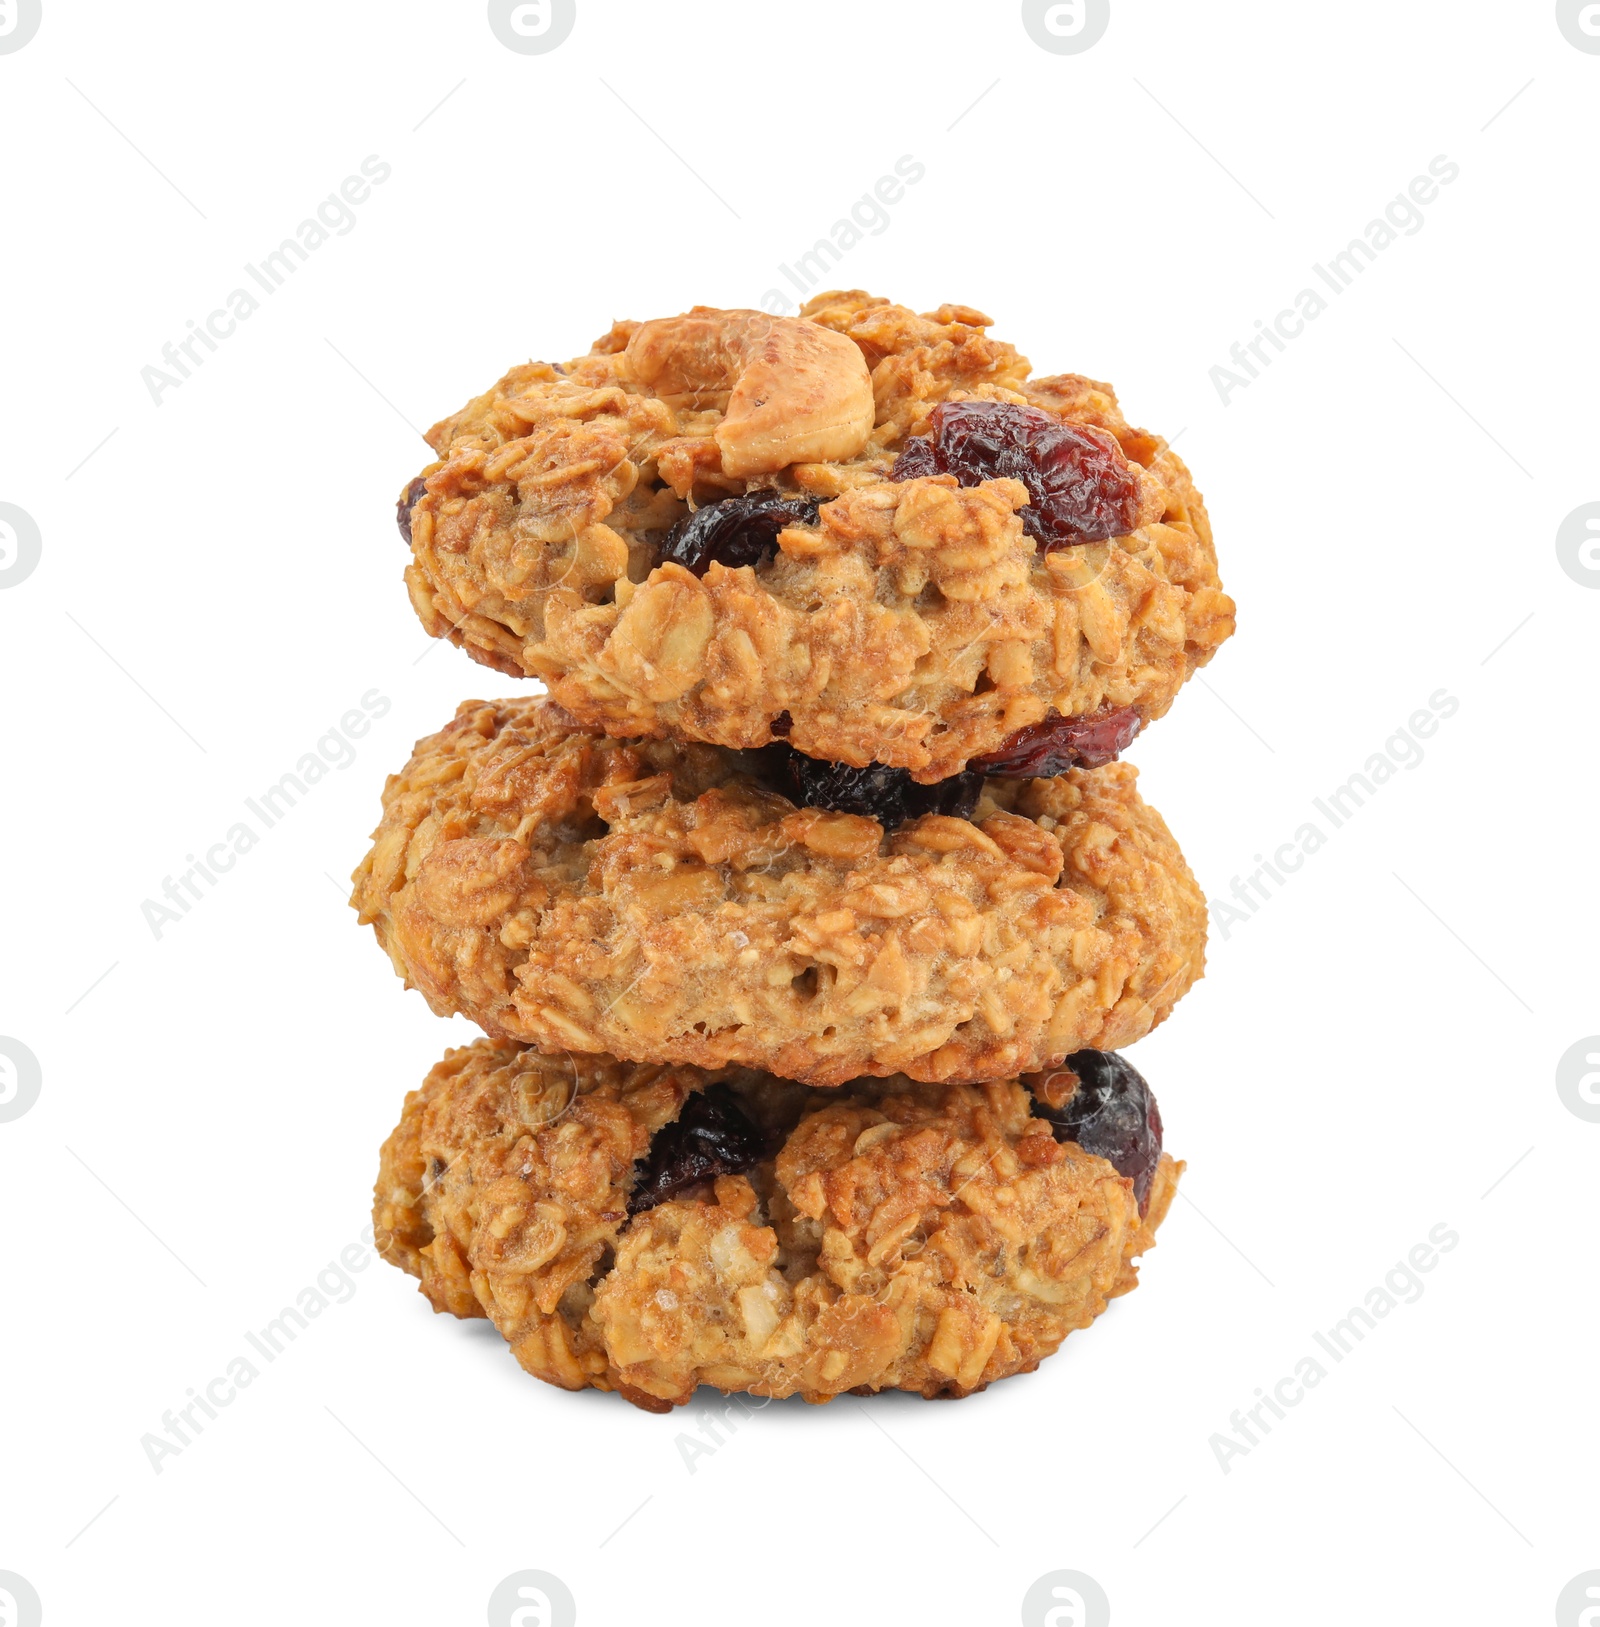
[{"x": 1372, "y": 1051}]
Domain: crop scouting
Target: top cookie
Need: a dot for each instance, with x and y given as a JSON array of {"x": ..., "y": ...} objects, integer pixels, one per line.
[{"x": 866, "y": 531}]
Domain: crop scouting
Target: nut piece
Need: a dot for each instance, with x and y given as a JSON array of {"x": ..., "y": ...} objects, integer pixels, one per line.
[
  {"x": 792, "y": 391},
  {"x": 659, "y": 647}
]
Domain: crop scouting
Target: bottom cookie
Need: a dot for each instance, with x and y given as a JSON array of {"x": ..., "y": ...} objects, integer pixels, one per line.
[{"x": 649, "y": 1229}]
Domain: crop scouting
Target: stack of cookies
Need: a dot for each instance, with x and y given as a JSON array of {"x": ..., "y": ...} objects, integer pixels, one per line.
[{"x": 807, "y": 909}]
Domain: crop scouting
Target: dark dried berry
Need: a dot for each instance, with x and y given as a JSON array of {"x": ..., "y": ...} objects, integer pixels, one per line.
[
  {"x": 1045, "y": 749},
  {"x": 889, "y": 795},
  {"x": 954, "y": 797},
  {"x": 917, "y": 459},
  {"x": 712, "y": 1136},
  {"x": 408, "y": 501},
  {"x": 737, "y": 531},
  {"x": 781, "y": 725},
  {"x": 1110, "y": 1112},
  {"x": 1081, "y": 487}
]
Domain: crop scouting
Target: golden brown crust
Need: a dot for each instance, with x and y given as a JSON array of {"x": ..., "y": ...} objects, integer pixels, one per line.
[
  {"x": 655, "y": 901},
  {"x": 931, "y": 1238},
  {"x": 915, "y": 624}
]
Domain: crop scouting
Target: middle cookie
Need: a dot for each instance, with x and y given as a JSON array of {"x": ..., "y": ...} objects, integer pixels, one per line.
[{"x": 665, "y": 903}]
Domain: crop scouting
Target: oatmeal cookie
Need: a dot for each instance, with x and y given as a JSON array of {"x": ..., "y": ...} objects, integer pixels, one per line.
[
  {"x": 869, "y": 531},
  {"x": 649, "y": 1229},
  {"x": 662, "y": 902}
]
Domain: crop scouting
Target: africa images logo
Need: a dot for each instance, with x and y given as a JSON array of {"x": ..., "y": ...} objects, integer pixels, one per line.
[
  {"x": 532, "y": 1599},
  {"x": 1579, "y": 1604},
  {"x": 1578, "y": 1084},
  {"x": 19, "y": 22},
  {"x": 1579, "y": 20},
  {"x": 20, "y": 544},
  {"x": 532, "y": 27},
  {"x": 1578, "y": 545},
  {"x": 21, "y": 1079},
  {"x": 1066, "y": 27},
  {"x": 1066, "y": 1599},
  {"x": 19, "y": 1604}
]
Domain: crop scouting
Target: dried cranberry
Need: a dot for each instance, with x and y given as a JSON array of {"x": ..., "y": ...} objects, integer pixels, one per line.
[
  {"x": 1110, "y": 1112},
  {"x": 737, "y": 531},
  {"x": 889, "y": 795},
  {"x": 1045, "y": 749},
  {"x": 712, "y": 1136},
  {"x": 408, "y": 501},
  {"x": 918, "y": 458},
  {"x": 1081, "y": 487}
]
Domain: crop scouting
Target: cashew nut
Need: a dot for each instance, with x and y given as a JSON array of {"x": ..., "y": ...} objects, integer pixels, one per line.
[{"x": 791, "y": 391}]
